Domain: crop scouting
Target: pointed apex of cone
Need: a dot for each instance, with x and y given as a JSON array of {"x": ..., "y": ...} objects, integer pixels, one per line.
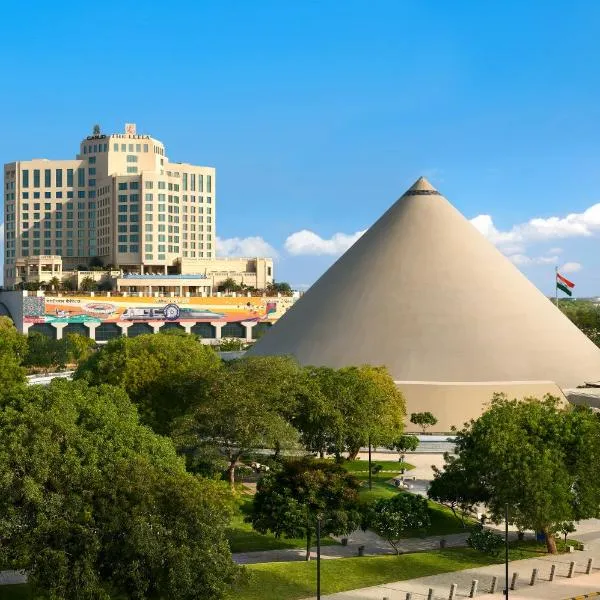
[{"x": 421, "y": 187}]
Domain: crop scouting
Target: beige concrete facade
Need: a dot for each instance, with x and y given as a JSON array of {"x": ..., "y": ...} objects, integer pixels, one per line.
[
  {"x": 423, "y": 293},
  {"x": 120, "y": 200}
]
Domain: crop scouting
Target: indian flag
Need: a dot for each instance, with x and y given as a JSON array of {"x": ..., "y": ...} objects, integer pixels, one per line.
[{"x": 563, "y": 284}]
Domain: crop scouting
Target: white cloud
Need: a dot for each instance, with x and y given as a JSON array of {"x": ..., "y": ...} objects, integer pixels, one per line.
[
  {"x": 2, "y": 235},
  {"x": 250, "y": 246},
  {"x": 571, "y": 267},
  {"x": 522, "y": 260},
  {"x": 555, "y": 250},
  {"x": 308, "y": 242},
  {"x": 538, "y": 229}
]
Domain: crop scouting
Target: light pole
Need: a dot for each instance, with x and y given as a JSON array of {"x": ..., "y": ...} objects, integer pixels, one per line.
[
  {"x": 318, "y": 557},
  {"x": 506, "y": 546},
  {"x": 370, "y": 479}
]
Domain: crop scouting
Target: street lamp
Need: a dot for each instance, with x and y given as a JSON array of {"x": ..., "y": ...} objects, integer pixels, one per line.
[
  {"x": 370, "y": 479},
  {"x": 318, "y": 557},
  {"x": 506, "y": 546}
]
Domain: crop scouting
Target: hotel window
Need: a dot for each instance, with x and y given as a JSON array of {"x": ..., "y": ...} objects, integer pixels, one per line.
[
  {"x": 25, "y": 177},
  {"x": 209, "y": 184},
  {"x": 59, "y": 180},
  {"x": 81, "y": 177},
  {"x": 122, "y": 218},
  {"x": 92, "y": 171},
  {"x": 123, "y": 147},
  {"x": 145, "y": 147},
  {"x": 36, "y": 178},
  {"x": 47, "y": 177},
  {"x": 92, "y": 160},
  {"x": 122, "y": 186},
  {"x": 122, "y": 248},
  {"x": 133, "y": 185},
  {"x": 132, "y": 158},
  {"x": 138, "y": 147},
  {"x": 116, "y": 147},
  {"x": 161, "y": 185},
  {"x": 148, "y": 185},
  {"x": 185, "y": 181},
  {"x": 92, "y": 182},
  {"x": 134, "y": 228},
  {"x": 47, "y": 195},
  {"x": 200, "y": 183},
  {"x": 130, "y": 147},
  {"x": 69, "y": 177}
]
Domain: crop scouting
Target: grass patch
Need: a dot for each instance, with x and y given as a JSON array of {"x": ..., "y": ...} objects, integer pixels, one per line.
[
  {"x": 295, "y": 580},
  {"x": 242, "y": 538}
]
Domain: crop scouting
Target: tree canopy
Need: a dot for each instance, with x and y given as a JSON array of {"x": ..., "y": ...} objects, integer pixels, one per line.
[
  {"x": 289, "y": 502},
  {"x": 341, "y": 410},
  {"x": 243, "y": 409},
  {"x": 538, "y": 457},
  {"x": 423, "y": 420},
  {"x": 13, "y": 349},
  {"x": 161, "y": 373},
  {"x": 94, "y": 505}
]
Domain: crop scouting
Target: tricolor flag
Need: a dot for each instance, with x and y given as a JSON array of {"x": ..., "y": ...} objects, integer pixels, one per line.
[{"x": 563, "y": 284}]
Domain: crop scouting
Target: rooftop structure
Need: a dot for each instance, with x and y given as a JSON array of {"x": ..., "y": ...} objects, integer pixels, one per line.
[
  {"x": 119, "y": 202},
  {"x": 452, "y": 319}
]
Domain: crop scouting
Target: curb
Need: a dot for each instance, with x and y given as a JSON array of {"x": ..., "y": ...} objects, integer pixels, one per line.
[{"x": 583, "y": 596}]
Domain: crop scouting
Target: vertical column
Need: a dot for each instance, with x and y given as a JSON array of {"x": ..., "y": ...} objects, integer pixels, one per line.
[
  {"x": 218, "y": 325},
  {"x": 59, "y": 329},
  {"x": 156, "y": 325},
  {"x": 248, "y": 325},
  {"x": 26, "y": 327},
  {"x": 124, "y": 327},
  {"x": 186, "y": 326},
  {"x": 92, "y": 328}
]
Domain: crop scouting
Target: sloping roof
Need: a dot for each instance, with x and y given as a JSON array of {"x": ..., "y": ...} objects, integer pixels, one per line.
[{"x": 424, "y": 293}]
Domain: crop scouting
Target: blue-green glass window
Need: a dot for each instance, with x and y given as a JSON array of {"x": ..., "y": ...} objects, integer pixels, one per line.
[
  {"x": 47, "y": 177},
  {"x": 59, "y": 180},
  {"x": 36, "y": 178},
  {"x": 25, "y": 177},
  {"x": 69, "y": 177},
  {"x": 81, "y": 177}
]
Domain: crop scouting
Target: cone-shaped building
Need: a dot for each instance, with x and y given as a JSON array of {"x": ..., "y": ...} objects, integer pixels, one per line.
[{"x": 425, "y": 294}]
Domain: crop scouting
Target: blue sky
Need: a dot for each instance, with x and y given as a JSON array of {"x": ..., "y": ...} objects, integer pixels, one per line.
[{"x": 318, "y": 115}]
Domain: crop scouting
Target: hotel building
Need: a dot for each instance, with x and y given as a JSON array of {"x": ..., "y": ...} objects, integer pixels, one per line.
[{"x": 120, "y": 203}]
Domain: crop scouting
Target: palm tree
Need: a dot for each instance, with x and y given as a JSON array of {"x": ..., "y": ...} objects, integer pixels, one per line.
[
  {"x": 54, "y": 284},
  {"x": 228, "y": 285}
]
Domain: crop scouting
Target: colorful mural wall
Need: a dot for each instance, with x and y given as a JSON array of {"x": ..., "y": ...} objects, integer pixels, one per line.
[{"x": 100, "y": 309}]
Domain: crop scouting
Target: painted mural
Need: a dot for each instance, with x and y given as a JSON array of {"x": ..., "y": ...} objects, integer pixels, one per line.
[{"x": 101, "y": 309}]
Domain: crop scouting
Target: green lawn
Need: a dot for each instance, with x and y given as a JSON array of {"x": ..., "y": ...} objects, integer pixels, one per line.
[
  {"x": 242, "y": 538},
  {"x": 294, "y": 580}
]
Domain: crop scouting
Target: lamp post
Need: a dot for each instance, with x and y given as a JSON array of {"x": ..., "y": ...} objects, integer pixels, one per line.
[
  {"x": 506, "y": 546},
  {"x": 370, "y": 479},
  {"x": 318, "y": 557}
]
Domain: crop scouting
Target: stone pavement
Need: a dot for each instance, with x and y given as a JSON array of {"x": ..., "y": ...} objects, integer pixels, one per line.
[
  {"x": 371, "y": 541},
  {"x": 560, "y": 588}
]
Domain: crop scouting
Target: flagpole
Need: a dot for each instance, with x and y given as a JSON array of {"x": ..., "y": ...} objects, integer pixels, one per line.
[{"x": 556, "y": 286}]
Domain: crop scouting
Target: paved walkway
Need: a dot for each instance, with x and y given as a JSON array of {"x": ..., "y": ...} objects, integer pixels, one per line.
[
  {"x": 371, "y": 541},
  {"x": 561, "y": 588}
]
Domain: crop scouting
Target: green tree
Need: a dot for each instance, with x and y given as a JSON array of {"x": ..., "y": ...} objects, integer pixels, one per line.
[
  {"x": 78, "y": 347},
  {"x": 94, "y": 505},
  {"x": 405, "y": 443},
  {"x": 230, "y": 344},
  {"x": 13, "y": 349},
  {"x": 454, "y": 487},
  {"x": 241, "y": 411},
  {"x": 423, "y": 420},
  {"x": 538, "y": 457},
  {"x": 392, "y": 518},
  {"x": 288, "y": 503},
  {"x": 88, "y": 285},
  {"x": 484, "y": 540},
  {"x": 229, "y": 285},
  {"x": 342, "y": 410},
  {"x": 54, "y": 284},
  {"x": 44, "y": 351},
  {"x": 163, "y": 374}
]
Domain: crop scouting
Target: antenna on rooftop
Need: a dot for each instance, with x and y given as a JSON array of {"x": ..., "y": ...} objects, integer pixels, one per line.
[{"x": 96, "y": 130}]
